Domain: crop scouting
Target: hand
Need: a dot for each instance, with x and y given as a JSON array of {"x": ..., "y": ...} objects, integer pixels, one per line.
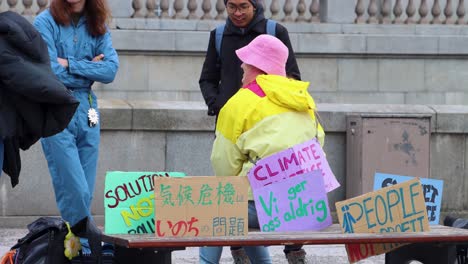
[
  {"x": 98, "y": 58},
  {"x": 213, "y": 109},
  {"x": 63, "y": 62}
]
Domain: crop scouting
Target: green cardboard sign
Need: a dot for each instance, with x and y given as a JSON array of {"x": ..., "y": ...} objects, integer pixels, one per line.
[{"x": 129, "y": 201}]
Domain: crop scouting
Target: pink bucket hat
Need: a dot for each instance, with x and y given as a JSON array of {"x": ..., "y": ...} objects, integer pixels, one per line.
[{"x": 267, "y": 53}]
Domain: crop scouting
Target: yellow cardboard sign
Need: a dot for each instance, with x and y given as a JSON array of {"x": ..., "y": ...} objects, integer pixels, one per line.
[
  {"x": 399, "y": 208},
  {"x": 201, "y": 206}
]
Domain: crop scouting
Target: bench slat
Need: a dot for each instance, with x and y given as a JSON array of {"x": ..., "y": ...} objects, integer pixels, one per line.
[{"x": 331, "y": 235}]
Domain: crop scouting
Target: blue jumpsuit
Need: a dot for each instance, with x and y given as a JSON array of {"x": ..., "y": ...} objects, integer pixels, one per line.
[{"x": 72, "y": 155}]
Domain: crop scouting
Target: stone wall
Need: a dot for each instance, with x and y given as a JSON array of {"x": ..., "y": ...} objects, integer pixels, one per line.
[
  {"x": 177, "y": 136},
  {"x": 345, "y": 63}
]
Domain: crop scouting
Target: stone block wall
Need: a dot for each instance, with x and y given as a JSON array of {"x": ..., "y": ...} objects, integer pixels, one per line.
[
  {"x": 344, "y": 63},
  {"x": 177, "y": 136}
]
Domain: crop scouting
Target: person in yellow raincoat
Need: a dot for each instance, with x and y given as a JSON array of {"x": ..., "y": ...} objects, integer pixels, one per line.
[{"x": 269, "y": 114}]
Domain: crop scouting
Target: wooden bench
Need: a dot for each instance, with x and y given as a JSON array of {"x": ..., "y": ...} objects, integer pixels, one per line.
[{"x": 146, "y": 248}]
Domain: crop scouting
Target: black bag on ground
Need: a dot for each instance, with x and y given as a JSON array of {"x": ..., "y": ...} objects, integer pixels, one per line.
[
  {"x": 462, "y": 248},
  {"x": 44, "y": 244}
]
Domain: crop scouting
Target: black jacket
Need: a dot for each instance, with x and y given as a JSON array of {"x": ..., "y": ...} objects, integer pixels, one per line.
[
  {"x": 33, "y": 102},
  {"x": 221, "y": 79}
]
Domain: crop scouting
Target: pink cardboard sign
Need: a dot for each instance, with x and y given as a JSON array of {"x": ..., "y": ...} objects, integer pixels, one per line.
[
  {"x": 300, "y": 159},
  {"x": 293, "y": 204}
]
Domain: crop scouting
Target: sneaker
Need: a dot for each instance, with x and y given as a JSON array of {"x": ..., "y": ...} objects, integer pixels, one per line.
[
  {"x": 239, "y": 256},
  {"x": 296, "y": 257}
]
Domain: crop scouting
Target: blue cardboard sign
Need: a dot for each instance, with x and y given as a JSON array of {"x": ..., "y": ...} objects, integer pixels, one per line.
[{"x": 432, "y": 189}]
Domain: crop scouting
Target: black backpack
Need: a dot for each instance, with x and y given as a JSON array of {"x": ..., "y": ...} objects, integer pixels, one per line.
[
  {"x": 462, "y": 248},
  {"x": 44, "y": 242}
]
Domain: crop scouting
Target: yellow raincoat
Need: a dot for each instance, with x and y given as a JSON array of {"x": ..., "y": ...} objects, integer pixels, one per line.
[{"x": 270, "y": 115}]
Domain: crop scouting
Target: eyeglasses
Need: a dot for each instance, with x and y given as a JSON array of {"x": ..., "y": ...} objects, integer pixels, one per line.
[{"x": 231, "y": 9}]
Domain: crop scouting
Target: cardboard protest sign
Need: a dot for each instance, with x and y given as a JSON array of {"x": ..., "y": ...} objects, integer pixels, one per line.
[
  {"x": 201, "y": 206},
  {"x": 293, "y": 204},
  {"x": 398, "y": 208},
  {"x": 129, "y": 201},
  {"x": 432, "y": 189},
  {"x": 302, "y": 158}
]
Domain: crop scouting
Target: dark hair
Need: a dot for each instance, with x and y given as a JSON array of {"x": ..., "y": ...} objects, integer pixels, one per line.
[
  {"x": 96, "y": 11},
  {"x": 253, "y": 2}
]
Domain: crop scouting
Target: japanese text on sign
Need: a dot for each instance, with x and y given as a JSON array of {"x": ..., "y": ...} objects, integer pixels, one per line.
[{"x": 201, "y": 206}]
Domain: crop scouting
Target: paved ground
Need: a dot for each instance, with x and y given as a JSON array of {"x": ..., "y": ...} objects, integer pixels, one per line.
[{"x": 326, "y": 254}]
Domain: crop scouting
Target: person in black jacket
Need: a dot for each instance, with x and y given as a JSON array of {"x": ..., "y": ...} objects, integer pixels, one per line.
[
  {"x": 33, "y": 102},
  {"x": 221, "y": 75}
]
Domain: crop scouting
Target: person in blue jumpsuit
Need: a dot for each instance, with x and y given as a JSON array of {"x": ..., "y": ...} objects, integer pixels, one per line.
[{"x": 81, "y": 53}]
